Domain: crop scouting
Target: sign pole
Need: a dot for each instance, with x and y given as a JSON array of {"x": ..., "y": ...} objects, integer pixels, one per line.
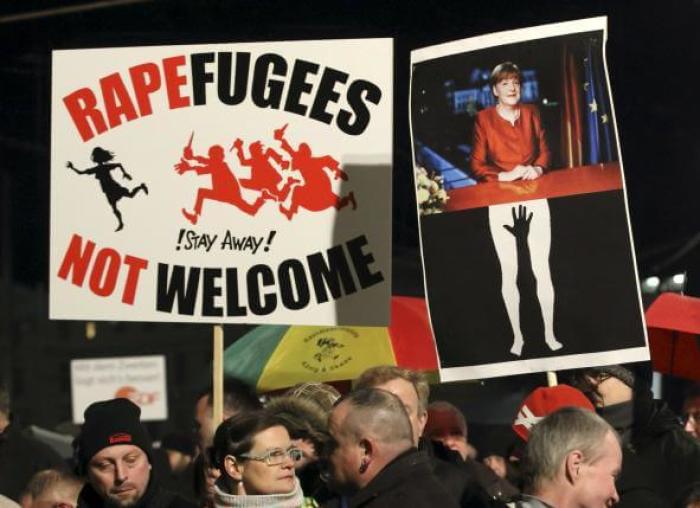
[{"x": 218, "y": 376}]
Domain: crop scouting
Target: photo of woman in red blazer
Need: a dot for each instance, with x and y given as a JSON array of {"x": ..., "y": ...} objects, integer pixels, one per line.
[
  {"x": 509, "y": 139},
  {"x": 510, "y": 144}
]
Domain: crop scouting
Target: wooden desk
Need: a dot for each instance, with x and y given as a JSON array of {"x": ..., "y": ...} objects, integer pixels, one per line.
[{"x": 557, "y": 183}]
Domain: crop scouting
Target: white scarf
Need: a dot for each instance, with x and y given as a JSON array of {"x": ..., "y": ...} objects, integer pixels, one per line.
[{"x": 293, "y": 499}]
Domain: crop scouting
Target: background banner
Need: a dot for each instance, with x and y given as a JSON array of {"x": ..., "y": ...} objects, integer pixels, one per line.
[{"x": 140, "y": 379}]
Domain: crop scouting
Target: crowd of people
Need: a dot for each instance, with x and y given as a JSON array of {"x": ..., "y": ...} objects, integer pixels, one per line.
[{"x": 600, "y": 440}]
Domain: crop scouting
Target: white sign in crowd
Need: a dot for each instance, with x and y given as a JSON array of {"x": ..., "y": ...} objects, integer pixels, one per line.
[
  {"x": 239, "y": 183},
  {"x": 141, "y": 379}
]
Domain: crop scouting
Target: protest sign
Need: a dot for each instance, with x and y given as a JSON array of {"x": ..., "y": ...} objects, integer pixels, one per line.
[
  {"x": 223, "y": 183},
  {"x": 140, "y": 379},
  {"x": 525, "y": 236}
]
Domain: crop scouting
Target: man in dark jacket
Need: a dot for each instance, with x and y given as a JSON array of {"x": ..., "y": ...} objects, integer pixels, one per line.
[
  {"x": 21, "y": 456},
  {"x": 473, "y": 484},
  {"x": 660, "y": 460},
  {"x": 114, "y": 452},
  {"x": 373, "y": 462}
]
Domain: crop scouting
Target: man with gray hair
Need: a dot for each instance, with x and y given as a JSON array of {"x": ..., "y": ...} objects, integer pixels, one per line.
[
  {"x": 572, "y": 459},
  {"x": 372, "y": 458}
]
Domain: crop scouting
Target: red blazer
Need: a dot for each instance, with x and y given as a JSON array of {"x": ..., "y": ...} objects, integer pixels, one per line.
[{"x": 500, "y": 146}]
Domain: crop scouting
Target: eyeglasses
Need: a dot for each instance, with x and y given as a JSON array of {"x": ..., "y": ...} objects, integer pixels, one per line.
[{"x": 276, "y": 456}]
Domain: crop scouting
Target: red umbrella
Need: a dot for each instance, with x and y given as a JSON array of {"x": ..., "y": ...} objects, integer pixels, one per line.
[{"x": 673, "y": 322}]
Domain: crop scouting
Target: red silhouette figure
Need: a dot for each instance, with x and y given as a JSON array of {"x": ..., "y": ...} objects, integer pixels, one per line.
[
  {"x": 263, "y": 175},
  {"x": 112, "y": 190},
  {"x": 316, "y": 193},
  {"x": 225, "y": 185}
]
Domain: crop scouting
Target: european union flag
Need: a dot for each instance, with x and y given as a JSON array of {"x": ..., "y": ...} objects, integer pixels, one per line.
[{"x": 600, "y": 143}]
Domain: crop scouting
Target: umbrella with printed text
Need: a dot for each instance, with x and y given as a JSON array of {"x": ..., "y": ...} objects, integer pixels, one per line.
[
  {"x": 273, "y": 357},
  {"x": 673, "y": 322}
]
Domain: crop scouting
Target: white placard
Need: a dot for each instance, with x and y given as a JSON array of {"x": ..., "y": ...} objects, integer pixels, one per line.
[
  {"x": 525, "y": 236},
  {"x": 140, "y": 379},
  {"x": 247, "y": 183}
]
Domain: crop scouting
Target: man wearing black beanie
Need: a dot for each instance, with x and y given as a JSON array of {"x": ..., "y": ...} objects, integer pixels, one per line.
[{"x": 114, "y": 452}]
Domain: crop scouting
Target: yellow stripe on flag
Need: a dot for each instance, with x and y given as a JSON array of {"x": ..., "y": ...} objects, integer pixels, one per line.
[{"x": 317, "y": 353}]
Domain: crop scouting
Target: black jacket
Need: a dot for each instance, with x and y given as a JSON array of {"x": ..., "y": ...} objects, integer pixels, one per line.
[
  {"x": 659, "y": 459},
  {"x": 406, "y": 482},
  {"x": 474, "y": 484},
  {"x": 20, "y": 457},
  {"x": 154, "y": 497}
]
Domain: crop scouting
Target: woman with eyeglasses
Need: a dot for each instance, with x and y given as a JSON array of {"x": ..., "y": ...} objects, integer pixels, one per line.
[{"x": 256, "y": 457}]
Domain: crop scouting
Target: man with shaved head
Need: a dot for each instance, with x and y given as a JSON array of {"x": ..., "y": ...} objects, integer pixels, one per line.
[
  {"x": 372, "y": 458},
  {"x": 470, "y": 482}
]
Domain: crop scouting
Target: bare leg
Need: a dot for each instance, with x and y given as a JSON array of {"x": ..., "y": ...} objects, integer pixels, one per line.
[
  {"x": 508, "y": 259},
  {"x": 135, "y": 190},
  {"x": 540, "y": 241},
  {"x": 118, "y": 214}
]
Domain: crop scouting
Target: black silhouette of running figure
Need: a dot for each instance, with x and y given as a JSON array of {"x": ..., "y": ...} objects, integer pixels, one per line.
[{"x": 103, "y": 172}]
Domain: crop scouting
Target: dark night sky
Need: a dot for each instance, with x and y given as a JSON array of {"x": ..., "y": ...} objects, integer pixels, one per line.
[{"x": 652, "y": 52}]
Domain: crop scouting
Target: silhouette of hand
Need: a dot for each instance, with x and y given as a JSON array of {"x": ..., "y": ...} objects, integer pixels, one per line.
[
  {"x": 521, "y": 223},
  {"x": 182, "y": 166},
  {"x": 69, "y": 165},
  {"x": 127, "y": 176},
  {"x": 238, "y": 143},
  {"x": 339, "y": 173}
]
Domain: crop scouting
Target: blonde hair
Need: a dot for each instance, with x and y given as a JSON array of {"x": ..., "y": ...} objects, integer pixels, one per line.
[{"x": 376, "y": 376}]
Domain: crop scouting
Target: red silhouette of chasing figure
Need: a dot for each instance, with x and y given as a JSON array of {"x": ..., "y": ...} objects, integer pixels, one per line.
[
  {"x": 225, "y": 186},
  {"x": 263, "y": 174},
  {"x": 316, "y": 193},
  {"x": 112, "y": 190}
]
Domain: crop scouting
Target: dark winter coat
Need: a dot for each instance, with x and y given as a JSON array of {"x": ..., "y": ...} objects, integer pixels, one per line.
[
  {"x": 21, "y": 456},
  {"x": 474, "y": 484},
  {"x": 407, "y": 481},
  {"x": 659, "y": 459},
  {"x": 154, "y": 497}
]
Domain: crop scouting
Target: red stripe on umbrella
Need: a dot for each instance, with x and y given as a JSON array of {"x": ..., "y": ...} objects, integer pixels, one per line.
[
  {"x": 673, "y": 321},
  {"x": 411, "y": 337}
]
